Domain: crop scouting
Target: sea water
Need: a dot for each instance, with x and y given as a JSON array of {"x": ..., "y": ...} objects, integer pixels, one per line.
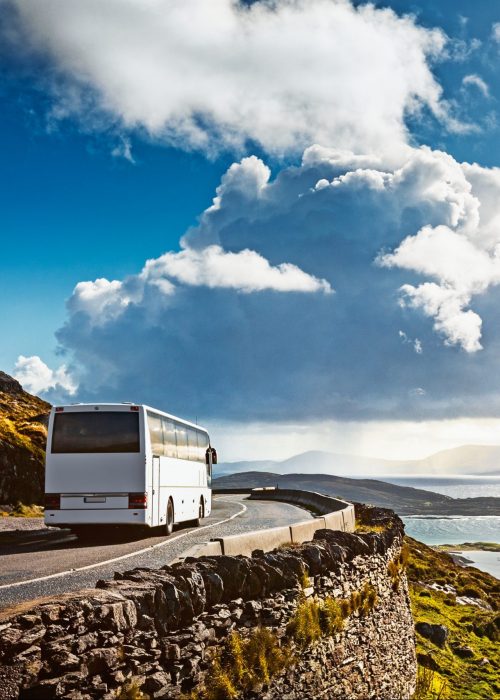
[
  {"x": 456, "y": 487},
  {"x": 456, "y": 530},
  {"x": 453, "y": 530}
]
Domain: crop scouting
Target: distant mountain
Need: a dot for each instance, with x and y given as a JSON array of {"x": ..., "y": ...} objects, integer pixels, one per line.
[
  {"x": 23, "y": 436},
  {"x": 312, "y": 462},
  {"x": 405, "y": 500},
  {"x": 468, "y": 459}
]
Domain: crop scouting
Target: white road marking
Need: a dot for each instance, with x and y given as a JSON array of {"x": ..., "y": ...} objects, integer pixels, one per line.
[{"x": 124, "y": 556}]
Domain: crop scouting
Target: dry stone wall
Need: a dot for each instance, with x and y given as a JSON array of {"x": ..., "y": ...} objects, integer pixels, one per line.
[{"x": 159, "y": 630}]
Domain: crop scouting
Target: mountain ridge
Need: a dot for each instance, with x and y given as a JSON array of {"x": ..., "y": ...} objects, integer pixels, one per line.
[
  {"x": 480, "y": 460},
  {"x": 405, "y": 500}
]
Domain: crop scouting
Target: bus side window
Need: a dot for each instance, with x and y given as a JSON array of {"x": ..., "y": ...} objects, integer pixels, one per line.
[
  {"x": 155, "y": 433},
  {"x": 169, "y": 441},
  {"x": 203, "y": 443},
  {"x": 192, "y": 444},
  {"x": 181, "y": 436}
]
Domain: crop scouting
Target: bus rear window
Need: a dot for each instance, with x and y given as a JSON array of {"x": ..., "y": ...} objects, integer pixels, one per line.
[{"x": 103, "y": 431}]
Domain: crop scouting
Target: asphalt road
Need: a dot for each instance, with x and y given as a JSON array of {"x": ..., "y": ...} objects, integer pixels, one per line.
[{"x": 47, "y": 562}]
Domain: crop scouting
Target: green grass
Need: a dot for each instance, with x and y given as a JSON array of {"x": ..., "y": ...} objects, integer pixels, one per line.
[
  {"x": 22, "y": 510},
  {"x": 12, "y": 432},
  {"x": 363, "y": 527},
  {"x": 245, "y": 664},
  {"x": 442, "y": 673},
  {"x": 315, "y": 618}
]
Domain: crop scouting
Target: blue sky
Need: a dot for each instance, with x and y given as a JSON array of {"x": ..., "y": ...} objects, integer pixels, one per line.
[
  {"x": 347, "y": 269},
  {"x": 71, "y": 211}
]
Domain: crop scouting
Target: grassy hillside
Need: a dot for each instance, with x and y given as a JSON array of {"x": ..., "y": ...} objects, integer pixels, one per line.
[
  {"x": 23, "y": 436},
  {"x": 466, "y": 666}
]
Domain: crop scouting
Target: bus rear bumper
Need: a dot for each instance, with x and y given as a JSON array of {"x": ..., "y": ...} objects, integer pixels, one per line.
[{"x": 101, "y": 516}]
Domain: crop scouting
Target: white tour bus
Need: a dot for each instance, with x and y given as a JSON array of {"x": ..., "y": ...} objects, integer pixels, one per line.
[{"x": 123, "y": 464}]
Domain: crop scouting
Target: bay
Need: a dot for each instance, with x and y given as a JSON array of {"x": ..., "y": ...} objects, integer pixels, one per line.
[
  {"x": 469, "y": 486},
  {"x": 457, "y": 530}
]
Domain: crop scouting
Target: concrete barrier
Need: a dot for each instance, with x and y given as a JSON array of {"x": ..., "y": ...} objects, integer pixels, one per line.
[
  {"x": 349, "y": 519},
  {"x": 335, "y": 521},
  {"x": 245, "y": 543},
  {"x": 335, "y": 515},
  {"x": 339, "y": 515},
  {"x": 203, "y": 549},
  {"x": 304, "y": 531}
]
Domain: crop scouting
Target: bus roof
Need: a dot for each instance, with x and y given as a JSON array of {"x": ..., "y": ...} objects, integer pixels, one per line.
[{"x": 124, "y": 405}]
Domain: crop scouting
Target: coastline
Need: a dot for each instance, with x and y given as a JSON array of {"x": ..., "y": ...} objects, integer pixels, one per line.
[{"x": 469, "y": 546}]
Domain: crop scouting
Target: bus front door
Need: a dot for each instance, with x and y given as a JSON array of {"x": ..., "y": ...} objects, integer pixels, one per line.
[{"x": 155, "y": 505}]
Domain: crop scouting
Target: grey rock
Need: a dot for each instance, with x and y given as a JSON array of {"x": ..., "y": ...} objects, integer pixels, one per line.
[
  {"x": 464, "y": 652},
  {"x": 156, "y": 684},
  {"x": 437, "y": 634}
]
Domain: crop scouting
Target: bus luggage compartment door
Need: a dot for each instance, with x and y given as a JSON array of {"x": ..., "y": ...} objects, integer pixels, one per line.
[{"x": 155, "y": 501}]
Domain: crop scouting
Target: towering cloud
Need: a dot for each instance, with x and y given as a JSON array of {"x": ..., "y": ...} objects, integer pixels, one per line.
[{"x": 227, "y": 327}]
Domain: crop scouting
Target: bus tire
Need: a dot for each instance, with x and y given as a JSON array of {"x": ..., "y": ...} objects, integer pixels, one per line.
[
  {"x": 201, "y": 513},
  {"x": 169, "y": 525}
]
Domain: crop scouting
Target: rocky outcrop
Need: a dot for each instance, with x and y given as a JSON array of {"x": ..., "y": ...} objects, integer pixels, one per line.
[
  {"x": 160, "y": 630},
  {"x": 23, "y": 436},
  {"x": 9, "y": 385}
]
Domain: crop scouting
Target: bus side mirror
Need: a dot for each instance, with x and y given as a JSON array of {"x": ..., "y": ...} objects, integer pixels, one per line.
[{"x": 211, "y": 453}]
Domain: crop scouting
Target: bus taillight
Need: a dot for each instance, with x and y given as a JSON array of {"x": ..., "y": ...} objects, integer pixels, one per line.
[
  {"x": 138, "y": 500},
  {"x": 52, "y": 501}
]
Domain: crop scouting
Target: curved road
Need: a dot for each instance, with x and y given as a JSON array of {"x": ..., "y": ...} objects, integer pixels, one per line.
[{"x": 44, "y": 562}]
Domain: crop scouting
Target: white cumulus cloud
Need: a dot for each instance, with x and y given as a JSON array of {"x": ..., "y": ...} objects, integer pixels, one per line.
[
  {"x": 447, "y": 307},
  {"x": 283, "y": 73},
  {"x": 462, "y": 269},
  {"x": 251, "y": 282},
  {"x": 102, "y": 299},
  {"x": 244, "y": 271},
  {"x": 448, "y": 256},
  {"x": 38, "y": 378}
]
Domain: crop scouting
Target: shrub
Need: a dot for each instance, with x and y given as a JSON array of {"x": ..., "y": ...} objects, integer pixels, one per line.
[
  {"x": 305, "y": 624},
  {"x": 304, "y": 579},
  {"x": 470, "y": 592},
  {"x": 356, "y": 601},
  {"x": 242, "y": 665},
  {"x": 330, "y": 617},
  {"x": 345, "y": 608}
]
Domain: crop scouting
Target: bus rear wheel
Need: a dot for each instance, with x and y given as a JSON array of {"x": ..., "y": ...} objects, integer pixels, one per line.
[
  {"x": 169, "y": 525},
  {"x": 201, "y": 512}
]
